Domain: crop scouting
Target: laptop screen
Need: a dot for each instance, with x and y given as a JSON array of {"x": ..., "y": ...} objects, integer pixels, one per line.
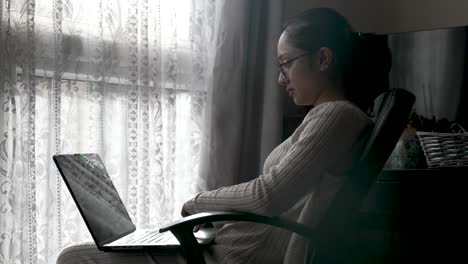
[{"x": 95, "y": 195}]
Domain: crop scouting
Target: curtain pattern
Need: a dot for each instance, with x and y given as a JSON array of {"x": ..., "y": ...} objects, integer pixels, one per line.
[{"x": 129, "y": 80}]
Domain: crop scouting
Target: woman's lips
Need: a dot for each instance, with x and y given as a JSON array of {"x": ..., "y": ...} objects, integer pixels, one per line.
[{"x": 291, "y": 92}]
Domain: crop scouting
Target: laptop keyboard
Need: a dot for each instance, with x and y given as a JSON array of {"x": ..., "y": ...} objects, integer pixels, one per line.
[
  {"x": 150, "y": 237},
  {"x": 144, "y": 238}
]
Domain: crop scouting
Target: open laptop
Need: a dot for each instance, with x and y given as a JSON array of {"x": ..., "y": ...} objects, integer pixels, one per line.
[{"x": 104, "y": 213}]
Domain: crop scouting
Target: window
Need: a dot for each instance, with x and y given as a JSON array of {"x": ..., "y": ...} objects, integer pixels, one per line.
[{"x": 126, "y": 79}]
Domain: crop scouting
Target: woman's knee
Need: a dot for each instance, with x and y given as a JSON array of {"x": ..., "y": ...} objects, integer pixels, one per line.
[{"x": 76, "y": 253}]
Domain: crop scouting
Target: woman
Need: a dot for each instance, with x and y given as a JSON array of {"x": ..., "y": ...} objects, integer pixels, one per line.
[{"x": 324, "y": 64}]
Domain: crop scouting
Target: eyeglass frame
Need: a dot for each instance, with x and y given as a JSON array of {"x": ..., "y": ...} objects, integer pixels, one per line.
[{"x": 280, "y": 65}]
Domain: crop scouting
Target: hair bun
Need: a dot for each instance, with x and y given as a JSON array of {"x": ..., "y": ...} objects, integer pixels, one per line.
[{"x": 371, "y": 63}]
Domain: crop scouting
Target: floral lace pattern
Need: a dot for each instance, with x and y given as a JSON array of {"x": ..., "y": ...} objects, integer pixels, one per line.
[{"x": 125, "y": 79}]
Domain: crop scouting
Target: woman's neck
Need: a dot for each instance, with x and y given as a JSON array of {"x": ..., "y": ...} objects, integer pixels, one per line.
[{"x": 333, "y": 91}]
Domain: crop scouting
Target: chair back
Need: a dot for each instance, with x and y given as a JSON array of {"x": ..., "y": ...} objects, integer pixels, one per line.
[{"x": 335, "y": 228}]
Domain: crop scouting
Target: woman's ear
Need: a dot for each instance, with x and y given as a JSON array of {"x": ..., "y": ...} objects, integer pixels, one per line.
[{"x": 325, "y": 58}]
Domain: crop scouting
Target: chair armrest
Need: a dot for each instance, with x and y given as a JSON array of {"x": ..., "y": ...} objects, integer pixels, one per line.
[
  {"x": 183, "y": 229},
  {"x": 208, "y": 217}
]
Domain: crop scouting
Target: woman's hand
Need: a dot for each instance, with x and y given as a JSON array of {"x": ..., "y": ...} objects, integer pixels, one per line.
[{"x": 185, "y": 213}]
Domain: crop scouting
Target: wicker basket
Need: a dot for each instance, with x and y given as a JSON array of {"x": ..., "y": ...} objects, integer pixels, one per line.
[{"x": 445, "y": 149}]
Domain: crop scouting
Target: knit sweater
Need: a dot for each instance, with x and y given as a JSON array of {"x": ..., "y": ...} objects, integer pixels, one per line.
[{"x": 308, "y": 166}]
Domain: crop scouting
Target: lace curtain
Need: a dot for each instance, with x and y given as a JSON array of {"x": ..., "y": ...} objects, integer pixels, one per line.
[{"x": 129, "y": 80}]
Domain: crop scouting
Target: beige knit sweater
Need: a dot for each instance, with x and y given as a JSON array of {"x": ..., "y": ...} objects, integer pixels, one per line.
[{"x": 306, "y": 169}]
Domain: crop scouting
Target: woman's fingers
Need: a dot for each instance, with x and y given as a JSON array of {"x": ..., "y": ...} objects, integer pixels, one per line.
[
  {"x": 197, "y": 228},
  {"x": 184, "y": 212}
]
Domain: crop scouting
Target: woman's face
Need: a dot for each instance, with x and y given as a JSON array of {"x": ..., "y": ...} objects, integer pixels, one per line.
[{"x": 300, "y": 72}]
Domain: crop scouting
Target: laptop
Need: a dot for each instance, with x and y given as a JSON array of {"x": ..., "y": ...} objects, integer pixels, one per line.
[{"x": 105, "y": 214}]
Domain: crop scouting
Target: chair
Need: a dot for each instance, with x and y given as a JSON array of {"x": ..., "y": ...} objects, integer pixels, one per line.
[{"x": 335, "y": 230}]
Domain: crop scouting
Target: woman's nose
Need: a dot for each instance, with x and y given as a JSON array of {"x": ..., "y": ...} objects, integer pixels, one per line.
[{"x": 281, "y": 79}]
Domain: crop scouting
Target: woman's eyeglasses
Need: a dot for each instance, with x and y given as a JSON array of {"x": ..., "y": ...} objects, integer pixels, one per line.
[{"x": 284, "y": 64}]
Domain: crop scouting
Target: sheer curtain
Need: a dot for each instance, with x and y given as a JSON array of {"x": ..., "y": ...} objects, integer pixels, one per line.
[
  {"x": 245, "y": 114},
  {"x": 129, "y": 80}
]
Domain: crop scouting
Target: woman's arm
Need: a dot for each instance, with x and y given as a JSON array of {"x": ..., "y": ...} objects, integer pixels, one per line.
[{"x": 327, "y": 140}]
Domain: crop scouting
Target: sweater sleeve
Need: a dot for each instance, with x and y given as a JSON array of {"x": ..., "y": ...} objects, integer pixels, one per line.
[{"x": 329, "y": 137}]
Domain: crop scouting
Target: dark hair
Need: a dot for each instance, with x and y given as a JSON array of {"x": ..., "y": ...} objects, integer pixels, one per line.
[{"x": 363, "y": 60}]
